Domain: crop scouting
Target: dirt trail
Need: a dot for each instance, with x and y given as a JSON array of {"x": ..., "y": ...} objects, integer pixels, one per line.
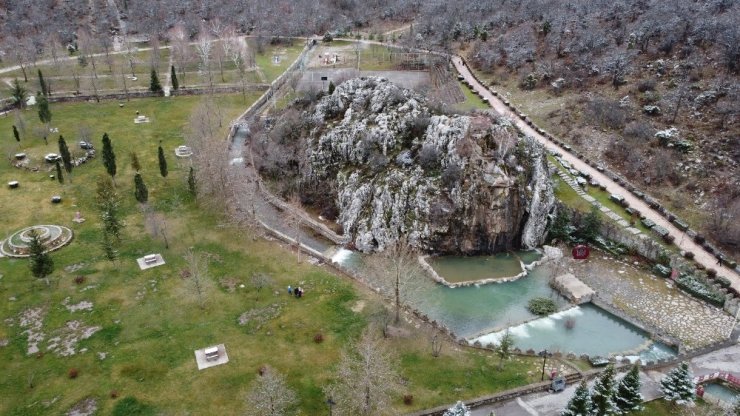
[{"x": 701, "y": 256}]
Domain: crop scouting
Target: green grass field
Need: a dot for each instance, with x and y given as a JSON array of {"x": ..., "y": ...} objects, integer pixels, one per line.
[{"x": 150, "y": 321}]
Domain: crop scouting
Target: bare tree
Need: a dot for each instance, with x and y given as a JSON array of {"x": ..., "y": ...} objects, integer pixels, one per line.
[
  {"x": 270, "y": 395},
  {"x": 398, "y": 273},
  {"x": 180, "y": 49},
  {"x": 204, "y": 49},
  {"x": 197, "y": 276},
  {"x": 365, "y": 379},
  {"x": 86, "y": 44}
]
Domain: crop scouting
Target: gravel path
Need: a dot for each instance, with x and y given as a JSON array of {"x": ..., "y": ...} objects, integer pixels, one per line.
[{"x": 701, "y": 256}]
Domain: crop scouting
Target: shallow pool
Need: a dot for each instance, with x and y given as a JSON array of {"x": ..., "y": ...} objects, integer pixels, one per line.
[{"x": 722, "y": 392}]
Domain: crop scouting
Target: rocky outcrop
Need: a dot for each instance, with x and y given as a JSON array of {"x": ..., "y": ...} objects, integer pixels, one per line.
[{"x": 450, "y": 183}]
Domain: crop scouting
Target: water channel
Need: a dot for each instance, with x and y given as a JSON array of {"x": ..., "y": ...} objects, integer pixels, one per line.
[{"x": 482, "y": 312}]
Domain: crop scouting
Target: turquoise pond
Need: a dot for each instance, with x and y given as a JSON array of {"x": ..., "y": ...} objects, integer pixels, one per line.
[
  {"x": 455, "y": 269},
  {"x": 482, "y": 311},
  {"x": 722, "y": 392}
]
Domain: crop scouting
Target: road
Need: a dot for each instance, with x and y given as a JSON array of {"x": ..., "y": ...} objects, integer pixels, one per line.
[{"x": 684, "y": 243}]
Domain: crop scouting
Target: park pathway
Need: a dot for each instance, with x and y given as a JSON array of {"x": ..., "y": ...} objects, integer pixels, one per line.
[{"x": 684, "y": 243}]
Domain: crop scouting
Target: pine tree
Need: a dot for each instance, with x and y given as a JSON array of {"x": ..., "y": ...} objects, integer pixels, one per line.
[
  {"x": 42, "y": 84},
  {"x": 602, "y": 396},
  {"x": 162, "y": 162},
  {"x": 678, "y": 385},
  {"x": 173, "y": 76},
  {"x": 66, "y": 156},
  {"x": 560, "y": 226},
  {"x": 135, "y": 165},
  {"x": 60, "y": 178},
  {"x": 154, "y": 85},
  {"x": 44, "y": 111},
  {"x": 332, "y": 87},
  {"x": 628, "y": 397},
  {"x": 580, "y": 403},
  {"x": 459, "y": 409},
  {"x": 109, "y": 158},
  {"x": 18, "y": 94},
  {"x": 140, "y": 192},
  {"x": 191, "y": 181},
  {"x": 16, "y": 134},
  {"x": 41, "y": 263}
]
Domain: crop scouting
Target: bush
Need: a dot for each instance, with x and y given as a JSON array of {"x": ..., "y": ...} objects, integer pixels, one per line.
[
  {"x": 646, "y": 85},
  {"x": 328, "y": 38},
  {"x": 699, "y": 239},
  {"x": 701, "y": 289},
  {"x": 541, "y": 306},
  {"x": 723, "y": 281},
  {"x": 711, "y": 273},
  {"x": 72, "y": 373},
  {"x": 318, "y": 338},
  {"x": 669, "y": 238},
  {"x": 408, "y": 399},
  {"x": 688, "y": 255},
  {"x": 80, "y": 279},
  {"x": 114, "y": 394}
]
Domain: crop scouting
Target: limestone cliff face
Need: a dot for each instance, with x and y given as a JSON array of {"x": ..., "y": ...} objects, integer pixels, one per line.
[{"x": 451, "y": 184}]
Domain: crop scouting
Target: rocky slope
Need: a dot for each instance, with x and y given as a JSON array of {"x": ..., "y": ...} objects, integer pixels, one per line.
[{"x": 450, "y": 183}]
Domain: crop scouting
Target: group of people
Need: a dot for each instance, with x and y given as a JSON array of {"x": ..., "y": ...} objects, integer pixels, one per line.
[{"x": 297, "y": 292}]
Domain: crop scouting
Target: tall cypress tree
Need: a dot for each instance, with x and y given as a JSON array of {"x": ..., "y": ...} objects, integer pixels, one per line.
[
  {"x": 162, "y": 162},
  {"x": 191, "y": 181},
  {"x": 628, "y": 397},
  {"x": 135, "y": 165},
  {"x": 602, "y": 397},
  {"x": 580, "y": 403},
  {"x": 108, "y": 203},
  {"x": 173, "y": 76},
  {"x": 41, "y": 263},
  {"x": 44, "y": 111},
  {"x": 60, "y": 177},
  {"x": 42, "y": 84},
  {"x": 154, "y": 85},
  {"x": 109, "y": 158},
  {"x": 66, "y": 156},
  {"x": 16, "y": 134},
  {"x": 140, "y": 192}
]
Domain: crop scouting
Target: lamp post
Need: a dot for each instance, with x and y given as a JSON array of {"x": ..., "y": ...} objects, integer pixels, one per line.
[
  {"x": 331, "y": 404},
  {"x": 544, "y": 354}
]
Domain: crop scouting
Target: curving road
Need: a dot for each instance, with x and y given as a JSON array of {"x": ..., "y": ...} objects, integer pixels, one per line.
[{"x": 701, "y": 256}]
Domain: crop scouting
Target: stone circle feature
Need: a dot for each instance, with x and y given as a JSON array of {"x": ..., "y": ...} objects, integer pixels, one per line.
[
  {"x": 183, "y": 151},
  {"x": 53, "y": 237}
]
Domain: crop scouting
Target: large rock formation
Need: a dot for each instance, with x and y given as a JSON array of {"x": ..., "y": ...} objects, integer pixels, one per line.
[{"x": 450, "y": 183}]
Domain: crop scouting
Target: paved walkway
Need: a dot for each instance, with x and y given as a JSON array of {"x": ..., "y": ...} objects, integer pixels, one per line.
[{"x": 701, "y": 256}]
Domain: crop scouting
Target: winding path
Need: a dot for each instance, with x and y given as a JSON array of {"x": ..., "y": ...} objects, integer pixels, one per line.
[{"x": 683, "y": 242}]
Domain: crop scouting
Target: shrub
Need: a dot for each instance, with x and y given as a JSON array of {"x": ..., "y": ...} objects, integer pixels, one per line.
[
  {"x": 114, "y": 394},
  {"x": 72, "y": 373},
  {"x": 541, "y": 306},
  {"x": 699, "y": 239},
  {"x": 711, "y": 273},
  {"x": 80, "y": 279},
  {"x": 646, "y": 85},
  {"x": 408, "y": 399},
  {"x": 669, "y": 238},
  {"x": 723, "y": 281},
  {"x": 701, "y": 289},
  {"x": 688, "y": 255},
  {"x": 130, "y": 406},
  {"x": 318, "y": 338}
]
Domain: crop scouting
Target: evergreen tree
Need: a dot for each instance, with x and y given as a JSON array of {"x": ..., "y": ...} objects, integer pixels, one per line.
[
  {"x": 16, "y": 134},
  {"x": 560, "y": 226},
  {"x": 42, "y": 84},
  {"x": 580, "y": 403},
  {"x": 108, "y": 203},
  {"x": 66, "y": 156},
  {"x": 191, "y": 181},
  {"x": 628, "y": 397},
  {"x": 678, "y": 385},
  {"x": 60, "y": 178},
  {"x": 602, "y": 396},
  {"x": 162, "y": 162},
  {"x": 173, "y": 76},
  {"x": 154, "y": 85},
  {"x": 591, "y": 225},
  {"x": 41, "y": 263},
  {"x": 109, "y": 158},
  {"x": 44, "y": 111},
  {"x": 459, "y": 409},
  {"x": 332, "y": 87},
  {"x": 18, "y": 94},
  {"x": 135, "y": 165},
  {"x": 140, "y": 192},
  {"x": 109, "y": 249}
]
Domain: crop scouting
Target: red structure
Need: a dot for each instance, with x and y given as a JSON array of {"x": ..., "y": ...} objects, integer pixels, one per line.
[{"x": 580, "y": 252}]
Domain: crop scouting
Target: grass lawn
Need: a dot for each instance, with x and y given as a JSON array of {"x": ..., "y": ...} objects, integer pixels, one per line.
[
  {"x": 150, "y": 322},
  {"x": 661, "y": 407},
  {"x": 287, "y": 55},
  {"x": 472, "y": 101}
]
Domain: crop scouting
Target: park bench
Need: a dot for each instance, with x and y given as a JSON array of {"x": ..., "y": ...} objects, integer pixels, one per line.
[
  {"x": 211, "y": 353},
  {"x": 150, "y": 258}
]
